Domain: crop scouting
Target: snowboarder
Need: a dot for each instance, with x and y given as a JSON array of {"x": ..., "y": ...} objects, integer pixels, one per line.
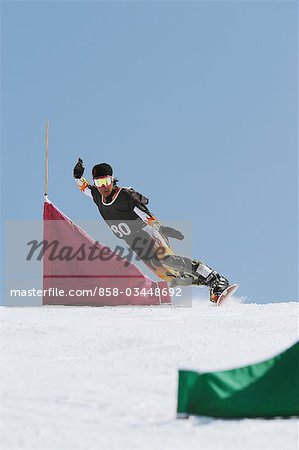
[{"x": 126, "y": 213}]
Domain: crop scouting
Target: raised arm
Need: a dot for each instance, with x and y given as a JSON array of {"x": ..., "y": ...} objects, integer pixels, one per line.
[{"x": 82, "y": 183}]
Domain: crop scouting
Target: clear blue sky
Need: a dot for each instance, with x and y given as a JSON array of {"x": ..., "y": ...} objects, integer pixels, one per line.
[{"x": 207, "y": 90}]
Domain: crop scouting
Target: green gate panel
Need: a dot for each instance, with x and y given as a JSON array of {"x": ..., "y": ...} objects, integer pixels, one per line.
[{"x": 266, "y": 389}]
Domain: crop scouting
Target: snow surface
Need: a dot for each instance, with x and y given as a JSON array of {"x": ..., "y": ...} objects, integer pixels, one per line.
[{"x": 106, "y": 378}]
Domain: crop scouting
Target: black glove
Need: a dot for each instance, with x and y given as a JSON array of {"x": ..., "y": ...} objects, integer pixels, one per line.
[
  {"x": 172, "y": 233},
  {"x": 79, "y": 169}
]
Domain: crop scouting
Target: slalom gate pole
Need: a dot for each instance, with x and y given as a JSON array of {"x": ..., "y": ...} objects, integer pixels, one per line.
[{"x": 47, "y": 159}]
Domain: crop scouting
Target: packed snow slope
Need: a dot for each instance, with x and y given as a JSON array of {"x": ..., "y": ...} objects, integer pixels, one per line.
[{"x": 106, "y": 378}]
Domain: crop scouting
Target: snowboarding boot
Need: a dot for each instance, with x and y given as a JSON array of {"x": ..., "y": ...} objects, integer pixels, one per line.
[{"x": 217, "y": 285}]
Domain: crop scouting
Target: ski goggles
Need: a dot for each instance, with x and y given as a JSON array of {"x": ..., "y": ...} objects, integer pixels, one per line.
[{"x": 103, "y": 181}]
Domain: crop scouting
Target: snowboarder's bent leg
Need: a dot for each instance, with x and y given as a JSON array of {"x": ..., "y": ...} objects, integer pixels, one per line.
[
  {"x": 178, "y": 270},
  {"x": 201, "y": 274}
]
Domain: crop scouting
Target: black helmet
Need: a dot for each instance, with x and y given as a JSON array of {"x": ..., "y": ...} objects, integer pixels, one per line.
[{"x": 100, "y": 170}]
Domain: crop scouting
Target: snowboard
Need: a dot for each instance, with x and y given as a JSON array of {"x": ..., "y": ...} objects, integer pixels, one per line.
[{"x": 227, "y": 294}]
